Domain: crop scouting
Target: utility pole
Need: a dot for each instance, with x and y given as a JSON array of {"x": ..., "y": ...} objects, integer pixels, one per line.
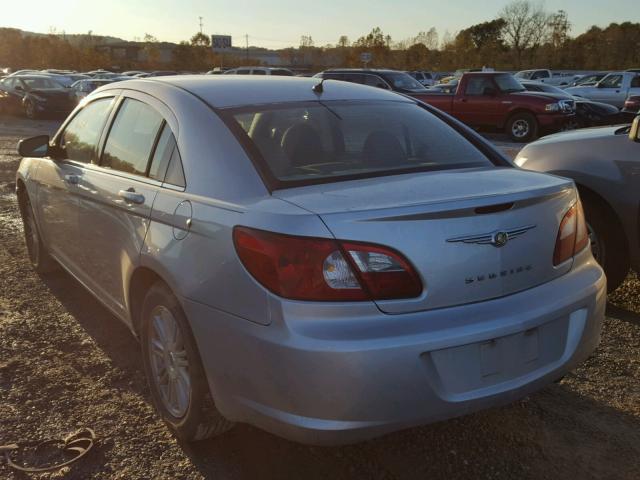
[
  {"x": 200, "y": 24},
  {"x": 246, "y": 38}
]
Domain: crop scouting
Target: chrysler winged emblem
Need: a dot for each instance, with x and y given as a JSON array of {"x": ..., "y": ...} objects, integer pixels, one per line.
[{"x": 498, "y": 238}]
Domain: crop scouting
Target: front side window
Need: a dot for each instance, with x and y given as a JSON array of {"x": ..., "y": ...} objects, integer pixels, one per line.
[
  {"x": 611, "y": 81},
  {"x": 37, "y": 83},
  {"x": 375, "y": 81},
  {"x": 131, "y": 138},
  {"x": 259, "y": 72},
  {"x": 507, "y": 83},
  {"x": 315, "y": 142},
  {"x": 403, "y": 81},
  {"x": 81, "y": 136}
]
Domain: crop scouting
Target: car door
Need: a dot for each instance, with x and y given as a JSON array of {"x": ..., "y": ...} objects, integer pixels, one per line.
[
  {"x": 58, "y": 181},
  {"x": 117, "y": 196},
  {"x": 609, "y": 90},
  {"x": 474, "y": 106}
]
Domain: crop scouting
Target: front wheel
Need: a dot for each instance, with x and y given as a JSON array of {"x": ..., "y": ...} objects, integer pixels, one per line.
[
  {"x": 30, "y": 110},
  {"x": 174, "y": 371},
  {"x": 522, "y": 127},
  {"x": 39, "y": 258}
]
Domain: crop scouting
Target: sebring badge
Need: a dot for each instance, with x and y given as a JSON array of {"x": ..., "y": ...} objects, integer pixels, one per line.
[{"x": 498, "y": 239}]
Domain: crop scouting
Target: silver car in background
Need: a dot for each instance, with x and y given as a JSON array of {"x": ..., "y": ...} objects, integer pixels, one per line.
[{"x": 324, "y": 260}]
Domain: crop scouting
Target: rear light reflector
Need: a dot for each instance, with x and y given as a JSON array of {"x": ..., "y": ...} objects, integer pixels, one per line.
[
  {"x": 572, "y": 235},
  {"x": 321, "y": 269}
]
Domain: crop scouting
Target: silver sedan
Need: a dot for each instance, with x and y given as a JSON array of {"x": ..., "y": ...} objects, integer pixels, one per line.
[{"x": 325, "y": 260}]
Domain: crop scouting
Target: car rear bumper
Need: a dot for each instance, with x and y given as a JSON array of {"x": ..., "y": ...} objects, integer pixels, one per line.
[{"x": 313, "y": 377}]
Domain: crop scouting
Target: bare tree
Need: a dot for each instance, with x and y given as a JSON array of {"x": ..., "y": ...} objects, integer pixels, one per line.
[
  {"x": 343, "y": 41},
  {"x": 429, "y": 38},
  {"x": 526, "y": 26}
]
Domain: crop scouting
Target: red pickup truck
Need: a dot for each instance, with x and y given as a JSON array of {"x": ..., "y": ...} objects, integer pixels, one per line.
[{"x": 497, "y": 100}]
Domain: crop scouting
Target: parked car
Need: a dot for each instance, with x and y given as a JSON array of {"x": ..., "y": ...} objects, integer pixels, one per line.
[
  {"x": 425, "y": 78},
  {"x": 588, "y": 80},
  {"x": 82, "y": 88},
  {"x": 132, "y": 73},
  {"x": 283, "y": 72},
  {"x": 612, "y": 89},
  {"x": 588, "y": 112},
  {"x": 547, "y": 76},
  {"x": 35, "y": 95},
  {"x": 386, "y": 79},
  {"x": 327, "y": 261},
  {"x": 497, "y": 100},
  {"x": 632, "y": 104},
  {"x": 608, "y": 186},
  {"x": 161, "y": 73}
]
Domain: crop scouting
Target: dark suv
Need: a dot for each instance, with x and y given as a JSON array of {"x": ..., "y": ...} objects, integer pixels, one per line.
[{"x": 388, "y": 79}]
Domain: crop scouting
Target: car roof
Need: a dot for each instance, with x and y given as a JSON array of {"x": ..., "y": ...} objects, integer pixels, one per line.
[{"x": 223, "y": 91}]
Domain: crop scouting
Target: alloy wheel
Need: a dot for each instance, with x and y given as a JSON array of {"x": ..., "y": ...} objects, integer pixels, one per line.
[
  {"x": 31, "y": 236},
  {"x": 597, "y": 245},
  {"x": 520, "y": 128},
  {"x": 169, "y": 362}
]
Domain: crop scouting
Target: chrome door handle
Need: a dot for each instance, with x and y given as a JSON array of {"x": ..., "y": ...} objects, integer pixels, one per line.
[
  {"x": 130, "y": 196},
  {"x": 72, "y": 179}
]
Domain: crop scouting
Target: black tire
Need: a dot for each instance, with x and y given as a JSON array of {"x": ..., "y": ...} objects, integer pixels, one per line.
[
  {"x": 201, "y": 418},
  {"x": 522, "y": 127},
  {"x": 608, "y": 241},
  {"x": 37, "y": 252},
  {"x": 30, "y": 110}
]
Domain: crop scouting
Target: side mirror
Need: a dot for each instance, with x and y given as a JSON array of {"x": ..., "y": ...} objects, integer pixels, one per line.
[
  {"x": 34, "y": 147},
  {"x": 490, "y": 91},
  {"x": 599, "y": 85},
  {"x": 634, "y": 133},
  {"x": 18, "y": 88}
]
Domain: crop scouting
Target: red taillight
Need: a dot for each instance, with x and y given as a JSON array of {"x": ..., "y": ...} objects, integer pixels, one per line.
[
  {"x": 572, "y": 235},
  {"x": 320, "y": 269}
]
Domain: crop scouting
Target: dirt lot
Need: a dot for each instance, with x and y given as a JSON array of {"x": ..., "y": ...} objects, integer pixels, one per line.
[{"x": 66, "y": 363}]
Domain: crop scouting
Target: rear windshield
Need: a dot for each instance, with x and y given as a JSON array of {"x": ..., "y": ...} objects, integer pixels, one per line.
[{"x": 318, "y": 142}]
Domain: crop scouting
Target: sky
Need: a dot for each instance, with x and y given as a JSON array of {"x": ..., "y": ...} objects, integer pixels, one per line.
[{"x": 281, "y": 23}]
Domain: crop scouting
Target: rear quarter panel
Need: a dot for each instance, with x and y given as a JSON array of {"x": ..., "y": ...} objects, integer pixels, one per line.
[{"x": 609, "y": 166}]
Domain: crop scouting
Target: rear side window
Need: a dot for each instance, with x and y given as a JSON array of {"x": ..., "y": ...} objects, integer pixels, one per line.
[
  {"x": 166, "y": 165},
  {"x": 635, "y": 82},
  {"x": 162, "y": 155},
  {"x": 315, "y": 142},
  {"x": 80, "y": 138},
  {"x": 175, "y": 172},
  {"x": 131, "y": 138},
  {"x": 258, "y": 72}
]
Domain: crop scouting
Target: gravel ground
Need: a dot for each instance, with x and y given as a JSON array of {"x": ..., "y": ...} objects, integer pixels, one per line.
[{"x": 66, "y": 363}]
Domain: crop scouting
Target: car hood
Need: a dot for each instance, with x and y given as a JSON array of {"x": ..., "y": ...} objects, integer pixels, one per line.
[
  {"x": 580, "y": 135},
  {"x": 545, "y": 95}
]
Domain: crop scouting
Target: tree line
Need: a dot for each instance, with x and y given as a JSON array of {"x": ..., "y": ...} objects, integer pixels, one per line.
[{"x": 523, "y": 35}]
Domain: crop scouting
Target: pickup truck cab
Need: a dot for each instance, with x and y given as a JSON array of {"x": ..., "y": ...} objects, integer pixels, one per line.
[
  {"x": 546, "y": 76},
  {"x": 498, "y": 100},
  {"x": 612, "y": 89}
]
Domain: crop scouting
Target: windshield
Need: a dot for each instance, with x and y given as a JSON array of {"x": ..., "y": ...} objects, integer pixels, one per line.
[
  {"x": 317, "y": 142},
  {"x": 37, "y": 83},
  {"x": 507, "y": 83},
  {"x": 403, "y": 81}
]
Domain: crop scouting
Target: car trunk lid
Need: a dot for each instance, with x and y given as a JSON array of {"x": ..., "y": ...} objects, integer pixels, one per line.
[{"x": 450, "y": 225}]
